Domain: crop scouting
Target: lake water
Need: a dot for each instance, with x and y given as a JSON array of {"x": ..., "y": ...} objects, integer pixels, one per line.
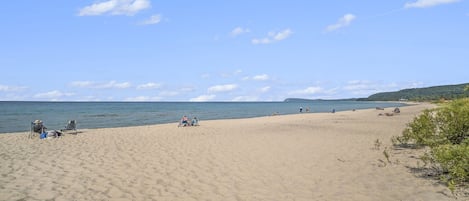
[{"x": 17, "y": 116}]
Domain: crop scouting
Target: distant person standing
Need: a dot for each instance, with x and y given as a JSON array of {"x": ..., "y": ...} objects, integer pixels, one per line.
[{"x": 301, "y": 109}]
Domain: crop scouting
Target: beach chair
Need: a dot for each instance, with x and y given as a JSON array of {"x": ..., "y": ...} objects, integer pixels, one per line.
[
  {"x": 36, "y": 127},
  {"x": 71, "y": 126}
]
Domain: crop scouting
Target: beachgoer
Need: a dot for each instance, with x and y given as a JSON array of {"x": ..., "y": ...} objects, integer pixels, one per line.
[
  {"x": 38, "y": 126},
  {"x": 184, "y": 121},
  {"x": 195, "y": 121},
  {"x": 301, "y": 109}
]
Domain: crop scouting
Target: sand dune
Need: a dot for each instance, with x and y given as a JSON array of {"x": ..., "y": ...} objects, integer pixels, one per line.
[{"x": 292, "y": 157}]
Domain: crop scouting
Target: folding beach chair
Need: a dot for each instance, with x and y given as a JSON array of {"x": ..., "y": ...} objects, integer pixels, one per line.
[
  {"x": 71, "y": 126},
  {"x": 36, "y": 127}
]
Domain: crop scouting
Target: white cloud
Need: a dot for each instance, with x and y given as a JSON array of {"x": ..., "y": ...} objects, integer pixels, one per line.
[
  {"x": 238, "y": 31},
  {"x": 308, "y": 91},
  {"x": 84, "y": 84},
  {"x": 115, "y": 7},
  {"x": 245, "y": 98},
  {"x": 366, "y": 88},
  {"x": 282, "y": 35},
  {"x": 108, "y": 85},
  {"x": 428, "y": 3},
  {"x": 262, "y": 77},
  {"x": 149, "y": 85},
  {"x": 256, "y": 41},
  {"x": 222, "y": 88},
  {"x": 342, "y": 22},
  {"x": 273, "y": 37},
  {"x": 6, "y": 88},
  {"x": 154, "y": 19},
  {"x": 360, "y": 85},
  {"x": 143, "y": 99},
  {"x": 265, "y": 89},
  {"x": 138, "y": 98},
  {"x": 52, "y": 95},
  {"x": 203, "y": 98}
]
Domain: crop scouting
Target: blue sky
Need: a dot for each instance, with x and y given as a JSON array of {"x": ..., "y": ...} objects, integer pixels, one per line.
[{"x": 149, "y": 50}]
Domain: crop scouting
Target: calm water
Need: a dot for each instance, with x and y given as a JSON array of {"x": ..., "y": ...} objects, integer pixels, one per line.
[{"x": 16, "y": 116}]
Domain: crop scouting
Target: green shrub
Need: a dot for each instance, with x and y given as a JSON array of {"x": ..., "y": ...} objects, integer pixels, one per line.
[
  {"x": 453, "y": 121},
  {"x": 448, "y": 124},
  {"x": 446, "y": 131},
  {"x": 422, "y": 131},
  {"x": 453, "y": 160}
]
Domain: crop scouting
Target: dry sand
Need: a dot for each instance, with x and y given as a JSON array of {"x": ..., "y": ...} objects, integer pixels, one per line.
[{"x": 292, "y": 157}]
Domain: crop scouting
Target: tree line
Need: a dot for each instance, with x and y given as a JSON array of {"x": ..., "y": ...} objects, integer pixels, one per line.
[{"x": 446, "y": 92}]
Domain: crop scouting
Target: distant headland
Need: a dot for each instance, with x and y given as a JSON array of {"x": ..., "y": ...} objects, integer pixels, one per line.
[{"x": 446, "y": 92}]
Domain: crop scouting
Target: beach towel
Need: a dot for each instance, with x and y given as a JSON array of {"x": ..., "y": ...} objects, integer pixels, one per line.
[{"x": 43, "y": 135}]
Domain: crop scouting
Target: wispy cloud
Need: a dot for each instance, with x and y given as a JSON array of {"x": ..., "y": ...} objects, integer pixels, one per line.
[
  {"x": 149, "y": 85},
  {"x": 273, "y": 37},
  {"x": 154, "y": 19},
  {"x": 202, "y": 98},
  {"x": 53, "y": 95},
  {"x": 238, "y": 31},
  {"x": 366, "y": 87},
  {"x": 308, "y": 91},
  {"x": 361, "y": 86},
  {"x": 95, "y": 85},
  {"x": 222, "y": 88},
  {"x": 344, "y": 21},
  {"x": 6, "y": 88},
  {"x": 142, "y": 99},
  {"x": 262, "y": 77},
  {"x": 115, "y": 7},
  {"x": 428, "y": 3},
  {"x": 265, "y": 89},
  {"x": 245, "y": 98}
]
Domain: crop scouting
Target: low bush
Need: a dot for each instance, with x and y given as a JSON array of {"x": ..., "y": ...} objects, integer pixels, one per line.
[{"x": 446, "y": 131}]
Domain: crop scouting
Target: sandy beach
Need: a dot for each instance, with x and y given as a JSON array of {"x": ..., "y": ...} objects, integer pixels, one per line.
[{"x": 307, "y": 156}]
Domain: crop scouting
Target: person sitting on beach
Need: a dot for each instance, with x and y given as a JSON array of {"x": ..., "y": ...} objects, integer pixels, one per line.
[
  {"x": 184, "y": 121},
  {"x": 38, "y": 127},
  {"x": 195, "y": 122}
]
